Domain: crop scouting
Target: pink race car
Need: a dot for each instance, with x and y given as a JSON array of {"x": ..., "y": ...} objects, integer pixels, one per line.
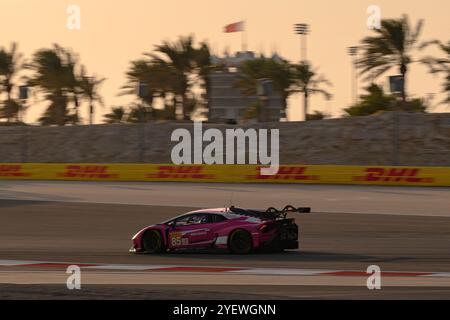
[{"x": 240, "y": 231}]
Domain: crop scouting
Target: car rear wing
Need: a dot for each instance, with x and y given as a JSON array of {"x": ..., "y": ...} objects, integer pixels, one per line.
[
  {"x": 288, "y": 209},
  {"x": 270, "y": 214}
]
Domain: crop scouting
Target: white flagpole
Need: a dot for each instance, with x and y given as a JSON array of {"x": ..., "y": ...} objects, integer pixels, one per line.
[{"x": 244, "y": 36}]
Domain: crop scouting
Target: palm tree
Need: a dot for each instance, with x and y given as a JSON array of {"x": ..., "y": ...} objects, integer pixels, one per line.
[
  {"x": 205, "y": 67},
  {"x": 117, "y": 115},
  {"x": 283, "y": 77},
  {"x": 281, "y": 73},
  {"x": 89, "y": 86},
  {"x": 374, "y": 101},
  {"x": 139, "y": 114},
  {"x": 139, "y": 73},
  {"x": 254, "y": 111},
  {"x": 440, "y": 65},
  {"x": 249, "y": 73},
  {"x": 11, "y": 62},
  {"x": 377, "y": 101},
  {"x": 54, "y": 76},
  {"x": 55, "y": 114},
  {"x": 317, "y": 115},
  {"x": 308, "y": 82},
  {"x": 72, "y": 80},
  {"x": 392, "y": 46},
  {"x": 180, "y": 55},
  {"x": 160, "y": 78},
  {"x": 11, "y": 110},
  {"x": 170, "y": 72}
]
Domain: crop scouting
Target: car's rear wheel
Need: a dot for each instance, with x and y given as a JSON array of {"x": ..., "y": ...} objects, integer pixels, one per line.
[
  {"x": 152, "y": 242},
  {"x": 240, "y": 242}
]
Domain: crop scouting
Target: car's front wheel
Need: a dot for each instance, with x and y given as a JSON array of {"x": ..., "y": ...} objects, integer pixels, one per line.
[
  {"x": 152, "y": 242},
  {"x": 240, "y": 242}
]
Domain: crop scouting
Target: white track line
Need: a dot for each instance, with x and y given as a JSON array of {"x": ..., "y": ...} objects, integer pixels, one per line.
[{"x": 216, "y": 269}]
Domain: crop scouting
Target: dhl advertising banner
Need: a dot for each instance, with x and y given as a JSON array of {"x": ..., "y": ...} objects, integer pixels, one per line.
[{"x": 303, "y": 174}]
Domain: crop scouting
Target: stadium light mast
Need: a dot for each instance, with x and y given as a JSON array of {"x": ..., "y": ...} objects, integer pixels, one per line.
[
  {"x": 353, "y": 52},
  {"x": 302, "y": 29}
]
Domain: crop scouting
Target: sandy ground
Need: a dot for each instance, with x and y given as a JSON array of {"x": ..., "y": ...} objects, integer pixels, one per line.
[{"x": 227, "y": 292}]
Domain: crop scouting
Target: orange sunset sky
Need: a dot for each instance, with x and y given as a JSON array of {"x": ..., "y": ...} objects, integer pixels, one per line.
[{"x": 115, "y": 32}]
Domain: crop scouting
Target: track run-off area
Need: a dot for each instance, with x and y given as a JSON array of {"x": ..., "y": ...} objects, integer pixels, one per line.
[{"x": 49, "y": 225}]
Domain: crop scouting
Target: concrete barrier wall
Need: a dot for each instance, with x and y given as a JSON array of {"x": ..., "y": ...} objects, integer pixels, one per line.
[{"x": 416, "y": 140}]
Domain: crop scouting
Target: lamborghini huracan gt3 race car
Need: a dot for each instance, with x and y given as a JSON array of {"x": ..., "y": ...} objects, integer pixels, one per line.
[{"x": 240, "y": 231}]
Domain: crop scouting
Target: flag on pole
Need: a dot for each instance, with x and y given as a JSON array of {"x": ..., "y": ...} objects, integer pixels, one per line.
[{"x": 235, "y": 27}]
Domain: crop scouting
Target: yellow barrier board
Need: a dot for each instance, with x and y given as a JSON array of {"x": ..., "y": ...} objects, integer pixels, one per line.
[{"x": 302, "y": 174}]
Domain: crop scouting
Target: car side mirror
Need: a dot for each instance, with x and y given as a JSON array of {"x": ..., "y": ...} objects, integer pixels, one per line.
[{"x": 172, "y": 224}]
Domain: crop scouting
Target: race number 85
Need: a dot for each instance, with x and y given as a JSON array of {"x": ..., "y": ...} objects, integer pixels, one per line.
[{"x": 175, "y": 239}]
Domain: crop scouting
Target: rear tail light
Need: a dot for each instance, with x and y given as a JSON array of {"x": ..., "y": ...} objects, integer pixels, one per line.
[{"x": 266, "y": 228}]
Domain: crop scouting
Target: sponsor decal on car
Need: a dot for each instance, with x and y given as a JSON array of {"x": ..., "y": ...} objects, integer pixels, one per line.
[{"x": 176, "y": 239}]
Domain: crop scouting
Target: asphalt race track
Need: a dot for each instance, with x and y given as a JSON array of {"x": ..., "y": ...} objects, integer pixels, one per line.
[
  {"x": 323, "y": 198},
  {"x": 398, "y": 229}
]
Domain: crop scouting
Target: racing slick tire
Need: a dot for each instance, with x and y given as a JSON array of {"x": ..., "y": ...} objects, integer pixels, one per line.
[
  {"x": 152, "y": 242},
  {"x": 240, "y": 242}
]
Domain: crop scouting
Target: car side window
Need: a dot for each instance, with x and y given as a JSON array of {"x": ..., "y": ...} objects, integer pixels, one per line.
[
  {"x": 192, "y": 219},
  {"x": 216, "y": 218}
]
